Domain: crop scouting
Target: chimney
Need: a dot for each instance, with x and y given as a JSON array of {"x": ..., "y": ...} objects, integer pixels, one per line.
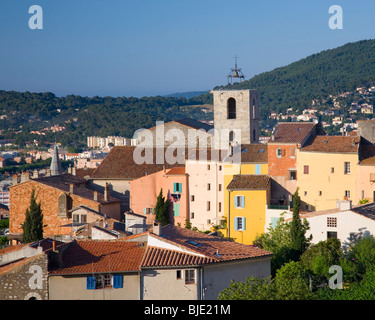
[
  {"x": 53, "y": 245},
  {"x": 95, "y": 195},
  {"x": 157, "y": 228},
  {"x": 14, "y": 179},
  {"x": 71, "y": 188},
  {"x": 344, "y": 205},
  {"x": 25, "y": 176},
  {"x": 35, "y": 174},
  {"x": 106, "y": 192},
  {"x": 74, "y": 171},
  {"x": 48, "y": 172}
]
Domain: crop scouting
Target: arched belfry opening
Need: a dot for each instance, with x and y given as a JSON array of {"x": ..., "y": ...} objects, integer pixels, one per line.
[{"x": 231, "y": 108}]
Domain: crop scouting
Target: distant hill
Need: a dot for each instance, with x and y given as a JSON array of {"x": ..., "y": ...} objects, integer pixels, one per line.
[
  {"x": 315, "y": 77},
  {"x": 187, "y": 95}
]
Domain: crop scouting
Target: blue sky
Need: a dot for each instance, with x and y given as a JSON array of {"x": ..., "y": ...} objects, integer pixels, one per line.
[{"x": 151, "y": 47}]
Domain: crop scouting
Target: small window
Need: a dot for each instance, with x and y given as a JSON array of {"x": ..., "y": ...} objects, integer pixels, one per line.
[
  {"x": 208, "y": 205},
  {"x": 278, "y": 152},
  {"x": 332, "y": 170},
  {"x": 208, "y": 167},
  {"x": 208, "y": 186},
  {"x": 292, "y": 175},
  {"x": 83, "y": 218},
  {"x": 292, "y": 152},
  {"x": 346, "y": 167},
  {"x": 306, "y": 169},
  {"x": 331, "y": 222},
  {"x": 257, "y": 169},
  {"x": 320, "y": 193},
  {"x": 192, "y": 198},
  {"x": 219, "y": 186},
  {"x": 331, "y": 235},
  {"x": 190, "y": 276},
  {"x": 239, "y": 223},
  {"x": 239, "y": 201},
  {"x": 179, "y": 274},
  {"x": 305, "y": 193},
  {"x": 231, "y": 108},
  {"x": 76, "y": 218},
  {"x": 192, "y": 215},
  {"x": 220, "y": 168},
  {"x": 219, "y": 206},
  {"x": 347, "y": 194},
  {"x": 177, "y": 187}
]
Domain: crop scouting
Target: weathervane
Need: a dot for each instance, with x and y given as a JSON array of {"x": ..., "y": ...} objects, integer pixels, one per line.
[{"x": 236, "y": 73}]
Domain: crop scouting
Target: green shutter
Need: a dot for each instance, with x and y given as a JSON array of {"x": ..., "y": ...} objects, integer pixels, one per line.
[
  {"x": 176, "y": 208},
  {"x": 144, "y": 210},
  {"x": 174, "y": 187},
  {"x": 180, "y": 187}
]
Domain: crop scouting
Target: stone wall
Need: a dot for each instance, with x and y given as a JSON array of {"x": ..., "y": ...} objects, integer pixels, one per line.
[{"x": 26, "y": 281}]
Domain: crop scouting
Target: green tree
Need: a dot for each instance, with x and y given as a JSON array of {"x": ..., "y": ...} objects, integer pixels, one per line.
[
  {"x": 299, "y": 242},
  {"x": 33, "y": 224},
  {"x": 162, "y": 209}
]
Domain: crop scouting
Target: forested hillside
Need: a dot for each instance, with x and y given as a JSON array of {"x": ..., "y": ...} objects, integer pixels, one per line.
[{"x": 316, "y": 77}]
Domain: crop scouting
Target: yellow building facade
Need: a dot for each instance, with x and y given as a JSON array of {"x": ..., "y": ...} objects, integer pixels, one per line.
[{"x": 327, "y": 170}]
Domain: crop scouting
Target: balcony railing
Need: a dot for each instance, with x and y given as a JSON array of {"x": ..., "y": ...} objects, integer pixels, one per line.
[{"x": 277, "y": 207}]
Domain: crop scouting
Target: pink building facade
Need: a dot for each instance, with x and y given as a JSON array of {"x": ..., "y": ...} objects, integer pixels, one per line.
[{"x": 145, "y": 190}]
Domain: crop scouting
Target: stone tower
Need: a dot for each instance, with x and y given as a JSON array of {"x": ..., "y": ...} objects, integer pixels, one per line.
[
  {"x": 55, "y": 163},
  {"x": 237, "y": 110}
]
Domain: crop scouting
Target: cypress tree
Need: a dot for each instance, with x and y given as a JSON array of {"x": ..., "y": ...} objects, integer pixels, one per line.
[
  {"x": 162, "y": 209},
  {"x": 33, "y": 224},
  {"x": 299, "y": 243}
]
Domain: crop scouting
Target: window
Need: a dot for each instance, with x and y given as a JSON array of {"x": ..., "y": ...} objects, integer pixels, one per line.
[
  {"x": 305, "y": 193},
  {"x": 219, "y": 206},
  {"x": 320, "y": 193},
  {"x": 83, "y": 218},
  {"x": 332, "y": 170},
  {"x": 219, "y": 186},
  {"x": 231, "y": 108},
  {"x": 362, "y": 194},
  {"x": 208, "y": 167},
  {"x": 347, "y": 194},
  {"x": 257, "y": 169},
  {"x": 346, "y": 167},
  {"x": 239, "y": 224},
  {"x": 331, "y": 235},
  {"x": 292, "y": 175},
  {"x": 75, "y": 218},
  {"x": 239, "y": 201},
  {"x": 177, "y": 187},
  {"x": 278, "y": 152},
  {"x": 148, "y": 210},
  {"x": 192, "y": 198},
  {"x": 331, "y": 222},
  {"x": 189, "y": 276},
  {"x": 208, "y": 186},
  {"x": 102, "y": 281},
  {"x": 306, "y": 169},
  {"x": 292, "y": 152},
  {"x": 179, "y": 274},
  {"x": 220, "y": 168},
  {"x": 208, "y": 205},
  {"x": 192, "y": 215}
]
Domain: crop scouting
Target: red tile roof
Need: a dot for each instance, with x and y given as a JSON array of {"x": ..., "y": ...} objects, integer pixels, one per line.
[
  {"x": 249, "y": 182},
  {"x": 93, "y": 256},
  {"x": 292, "y": 132},
  {"x": 338, "y": 144}
]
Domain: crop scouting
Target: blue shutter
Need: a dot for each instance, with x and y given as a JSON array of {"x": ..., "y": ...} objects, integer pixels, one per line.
[
  {"x": 242, "y": 201},
  {"x": 257, "y": 169},
  {"x": 117, "y": 281},
  {"x": 243, "y": 224},
  {"x": 90, "y": 282},
  {"x": 274, "y": 221},
  {"x": 236, "y": 201},
  {"x": 235, "y": 224}
]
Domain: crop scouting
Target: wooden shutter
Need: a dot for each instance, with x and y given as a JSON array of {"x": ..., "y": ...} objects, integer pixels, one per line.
[
  {"x": 90, "y": 282},
  {"x": 117, "y": 281}
]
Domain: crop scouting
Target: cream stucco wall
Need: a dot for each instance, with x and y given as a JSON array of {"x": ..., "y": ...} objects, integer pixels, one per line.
[
  {"x": 320, "y": 189},
  {"x": 200, "y": 174},
  {"x": 74, "y": 288}
]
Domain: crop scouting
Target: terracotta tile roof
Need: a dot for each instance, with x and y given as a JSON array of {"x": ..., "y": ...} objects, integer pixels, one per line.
[
  {"x": 120, "y": 164},
  {"x": 176, "y": 171},
  {"x": 159, "y": 257},
  {"x": 214, "y": 249},
  {"x": 253, "y": 153},
  {"x": 292, "y": 132},
  {"x": 83, "y": 172},
  {"x": 340, "y": 144},
  {"x": 62, "y": 182},
  {"x": 249, "y": 182},
  {"x": 93, "y": 256}
]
